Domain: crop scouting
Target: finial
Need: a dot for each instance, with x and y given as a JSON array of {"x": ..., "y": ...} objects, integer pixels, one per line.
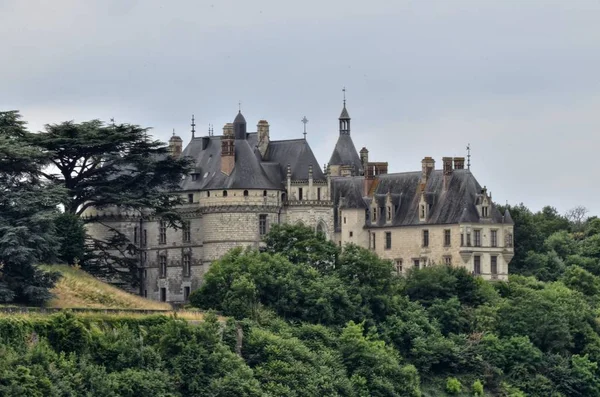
[
  {"x": 304, "y": 121},
  {"x": 239, "y": 106},
  {"x": 344, "y": 91},
  {"x": 468, "y": 156},
  {"x": 193, "y": 127},
  {"x": 173, "y": 131}
]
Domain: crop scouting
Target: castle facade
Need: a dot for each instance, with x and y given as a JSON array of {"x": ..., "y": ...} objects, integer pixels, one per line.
[{"x": 244, "y": 182}]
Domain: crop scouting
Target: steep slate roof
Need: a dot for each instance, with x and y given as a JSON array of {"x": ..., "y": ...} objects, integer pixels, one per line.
[
  {"x": 455, "y": 205},
  {"x": 298, "y": 154},
  {"x": 250, "y": 171},
  {"x": 345, "y": 153}
]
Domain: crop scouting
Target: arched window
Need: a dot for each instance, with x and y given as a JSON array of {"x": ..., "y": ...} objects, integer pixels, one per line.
[
  {"x": 245, "y": 193},
  {"x": 264, "y": 193},
  {"x": 224, "y": 193},
  {"x": 283, "y": 196}
]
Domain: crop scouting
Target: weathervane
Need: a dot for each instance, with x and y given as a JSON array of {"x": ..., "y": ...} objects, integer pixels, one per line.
[
  {"x": 304, "y": 121},
  {"x": 193, "y": 127},
  {"x": 468, "y": 156},
  {"x": 344, "y": 91}
]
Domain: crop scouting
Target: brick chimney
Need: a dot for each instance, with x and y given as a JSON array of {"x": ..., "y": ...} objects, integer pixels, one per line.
[
  {"x": 447, "y": 161},
  {"x": 427, "y": 167},
  {"x": 459, "y": 163},
  {"x": 364, "y": 158},
  {"x": 369, "y": 179},
  {"x": 262, "y": 129},
  {"x": 227, "y": 150}
]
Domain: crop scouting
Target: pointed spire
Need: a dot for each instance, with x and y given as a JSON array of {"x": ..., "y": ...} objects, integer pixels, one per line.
[
  {"x": 344, "y": 118},
  {"x": 507, "y": 218}
]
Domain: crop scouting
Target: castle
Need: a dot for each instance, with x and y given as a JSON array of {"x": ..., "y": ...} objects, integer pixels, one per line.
[{"x": 244, "y": 182}]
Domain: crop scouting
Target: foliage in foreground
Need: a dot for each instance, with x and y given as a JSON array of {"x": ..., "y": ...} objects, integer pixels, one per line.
[{"x": 456, "y": 333}]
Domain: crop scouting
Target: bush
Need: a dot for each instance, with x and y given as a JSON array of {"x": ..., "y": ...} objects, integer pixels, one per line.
[
  {"x": 477, "y": 388},
  {"x": 453, "y": 386}
]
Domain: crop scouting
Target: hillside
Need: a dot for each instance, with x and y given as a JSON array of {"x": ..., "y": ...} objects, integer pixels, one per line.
[{"x": 77, "y": 289}]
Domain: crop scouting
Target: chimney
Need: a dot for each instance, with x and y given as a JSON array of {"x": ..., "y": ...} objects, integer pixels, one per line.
[
  {"x": 227, "y": 150},
  {"x": 369, "y": 179},
  {"x": 175, "y": 145},
  {"x": 364, "y": 158},
  {"x": 262, "y": 129},
  {"x": 447, "y": 161},
  {"x": 427, "y": 167},
  {"x": 459, "y": 163}
]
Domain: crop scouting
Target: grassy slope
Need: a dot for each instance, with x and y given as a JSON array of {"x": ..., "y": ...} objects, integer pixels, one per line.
[{"x": 78, "y": 289}]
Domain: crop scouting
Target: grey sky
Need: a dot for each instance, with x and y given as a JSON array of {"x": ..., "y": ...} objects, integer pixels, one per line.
[{"x": 519, "y": 80}]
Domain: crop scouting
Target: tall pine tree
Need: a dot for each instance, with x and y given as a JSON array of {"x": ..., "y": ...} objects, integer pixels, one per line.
[{"x": 28, "y": 207}]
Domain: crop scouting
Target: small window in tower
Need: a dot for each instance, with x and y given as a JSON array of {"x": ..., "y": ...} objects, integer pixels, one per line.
[
  {"x": 245, "y": 193},
  {"x": 425, "y": 238},
  {"x": 344, "y": 220},
  {"x": 135, "y": 235},
  {"x": 264, "y": 193},
  {"x": 162, "y": 232},
  {"x": 208, "y": 194},
  {"x": 318, "y": 194},
  {"x": 224, "y": 193},
  {"x": 190, "y": 198},
  {"x": 162, "y": 266},
  {"x": 299, "y": 193},
  {"x": 262, "y": 224}
]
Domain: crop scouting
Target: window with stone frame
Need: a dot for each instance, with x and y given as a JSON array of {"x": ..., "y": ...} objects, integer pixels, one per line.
[
  {"x": 447, "y": 239},
  {"x": 509, "y": 240},
  {"x": 417, "y": 263},
  {"x": 462, "y": 240},
  {"x": 448, "y": 260},
  {"x": 477, "y": 237},
  {"x": 484, "y": 211},
  {"x": 468, "y": 239},
  {"x": 187, "y": 232},
  {"x": 374, "y": 213},
  {"x": 186, "y": 261},
  {"x": 425, "y": 238},
  {"x": 262, "y": 224},
  {"x": 162, "y": 232},
  {"x": 389, "y": 213},
  {"x": 398, "y": 266},
  {"x": 494, "y": 238},
  {"x": 477, "y": 265},
  {"x": 388, "y": 240},
  {"x": 186, "y": 293},
  {"x": 145, "y": 238},
  {"x": 163, "y": 294},
  {"x": 494, "y": 265},
  {"x": 374, "y": 246},
  {"x": 190, "y": 198},
  {"x": 162, "y": 266}
]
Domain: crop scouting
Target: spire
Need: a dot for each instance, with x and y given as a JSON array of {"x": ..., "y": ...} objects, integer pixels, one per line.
[
  {"x": 193, "y": 127},
  {"x": 507, "y": 218},
  {"x": 344, "y": 118}
]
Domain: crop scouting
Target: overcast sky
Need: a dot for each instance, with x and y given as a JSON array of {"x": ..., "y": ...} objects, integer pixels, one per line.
[{"x": 517, "y": 79}]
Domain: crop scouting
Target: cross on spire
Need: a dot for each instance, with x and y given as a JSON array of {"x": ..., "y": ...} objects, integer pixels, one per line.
[
  {"x": 193, "y": 127},
  {"x": 304, "y": 121},
  {"x": 344, "y": 91}
]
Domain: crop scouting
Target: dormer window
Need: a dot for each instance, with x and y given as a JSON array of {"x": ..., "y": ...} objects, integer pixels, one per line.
[
  {"x": 224, "y": 193},
  {"x": 422, "y": 211},
  {"x": 245, "y": 193},
  {"x": 194, "y": 177},
  {"x": 484, "y": 211},
  {"x": 389, "y": 213},
  {"x": 374, "y": 215}
]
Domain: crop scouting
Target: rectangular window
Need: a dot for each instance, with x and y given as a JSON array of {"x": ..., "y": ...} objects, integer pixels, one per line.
[
  {"x": 186, "y": 260},
  {"x": 462, "y": 240},
  {"x": 163, "y": 294},
  {"x": 477, "y": 238},
  {"x": 509, "y": 240},
  {"x": 344, "y": 220},
  {"x": 186, "y": 293},
  {"x": 318, "y": 194},
  {"x": 366, "y": 216},
  {"x": 389, "y": 213},
  {"x": 468, "y": 239},
  {"x": 145, "y": 274},
  {"x": 494, "y": 238},
  {"x": 448, "y": 260},
  {"x": 494, "y": 265},
  {"x": 477, "y": 265},
  {"x": 374, "y": 241},
  {"x": 388, "y": 240},
  {"x": 135, "y": 235},
  {"x": 145, "y": 238},
  {"x": 262, "y": 224},
  {"x": 299, "y": 193},
  {"x": 425, "y": 238},
  {"x": 484, "y": 211},
  {"x": 162, "y": 262},
  {"x": 187, "y": 234},
  {"x": 351, "y": 234},
  {"x": 162, "y": 232},
  {"x": 447, "y": 239},
  {"x": 374, "y": 211},
  {"x": 190, "y": 198},
  {"x": 416, "y": 263},
  {"x": 399, "y": 266},
  {"x": 145, "y": 293}
]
